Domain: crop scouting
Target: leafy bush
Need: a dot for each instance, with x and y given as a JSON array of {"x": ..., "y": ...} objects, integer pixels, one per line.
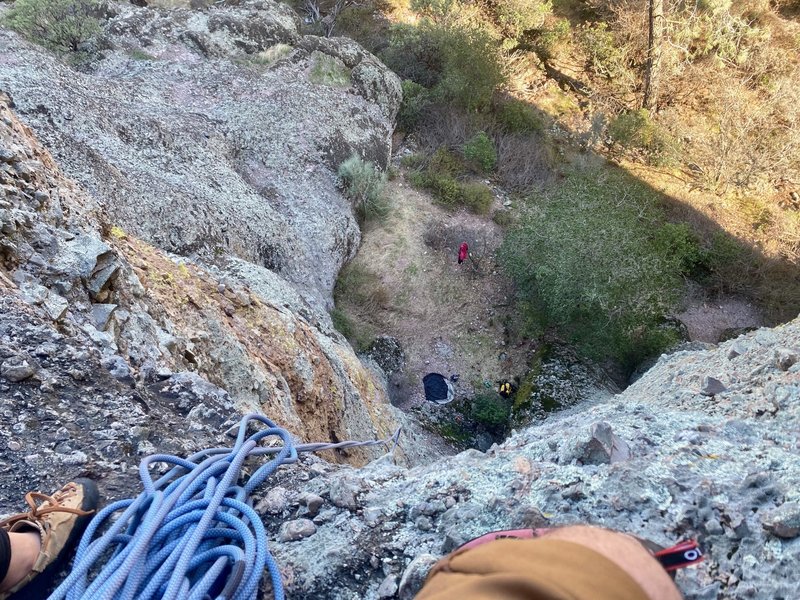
[
  {"x": 635, "y": 130},
  {"x": 459, "y": 62},
  {"x": 480, "y": 151},
  {"x": 680, "y": 242},
  {"x": 503, "y": 217},
  {"x": 58, "y": 25},
  {"x": 359, "y": 287},
  {"x": 444, "y": 188},
  {"x": 491, "y": 410},
  {"x": 440, "y": 178},
  {"x": 472, "y": 67},
  {"x": 415, "y": 53},
  {"x": 477, "y": 197},
  {"x": 359, "y": 334},
  {"x": 586, "y": 257},
  {"x": 516, "y": 116},
  {"x": 519, "y": 16},
  {"x": 550, "y": 37},
  {"x": 415, "y": 99},
  {"x": 606, "y": 56},
  {"x": 363, "y": 185}
]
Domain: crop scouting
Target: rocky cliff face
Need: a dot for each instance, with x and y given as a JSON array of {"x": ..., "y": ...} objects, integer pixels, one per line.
[
  {"x": 98, "y": 324},
  {"x": 215, "y": 133},
  {"x": 213, "y": 136},
  {"x": 183, "y": 285},
  {"x": 705, "y": 445}
]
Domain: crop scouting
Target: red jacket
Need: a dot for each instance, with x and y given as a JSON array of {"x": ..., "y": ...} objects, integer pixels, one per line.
[{"x": 463, "y": 250}]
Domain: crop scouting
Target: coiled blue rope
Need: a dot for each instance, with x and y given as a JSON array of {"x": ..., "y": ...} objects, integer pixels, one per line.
[{"x": 192, "y": 534}]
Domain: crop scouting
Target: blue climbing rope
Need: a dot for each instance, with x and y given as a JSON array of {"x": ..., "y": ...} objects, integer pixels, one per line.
[{"x": 192, "y": 534}]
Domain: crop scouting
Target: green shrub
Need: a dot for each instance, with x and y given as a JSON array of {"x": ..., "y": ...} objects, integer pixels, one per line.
[
  {"x": 491, "y": 410},
  {"x": 415, "y": 99},
  {"x": 635, "y": 130},
  {"x": 680, "y": 242},
  {"x": 551, "y": 37},
  {"x": 606, "y": 55},
  {"x": 477, "y": 197},
  {"x": 58, "y": 25},
  {"x": 504, "y": 218},
  {"x": 413, "y": 161},
  {"x": 473, "y": 69},
  {"x": 359, "y": 287},
  {"x": 586, "y": 258},
  {"x": 444, "y": 162},
  {"x": 444, "y": 188},
  {"x": 519, "y": 16},
  {"x": 415, "y": 54},
  {"x": 480, "y": 150},
  {"x": 516, "y": 116},
  {"x": 363, "y": 185},
  {"x": 360, "y": 335}
]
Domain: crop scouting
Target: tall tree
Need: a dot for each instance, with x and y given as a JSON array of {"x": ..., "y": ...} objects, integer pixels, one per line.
[{"x": 652, "y": 76}]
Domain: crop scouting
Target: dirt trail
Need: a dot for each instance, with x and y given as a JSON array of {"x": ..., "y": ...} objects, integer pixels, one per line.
[{"x": 449, "y": 318}]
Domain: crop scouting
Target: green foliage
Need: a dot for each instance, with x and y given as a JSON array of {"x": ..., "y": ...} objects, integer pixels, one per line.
[
  {"x": 680, "y": 242},
  {"x": 459, "y": 62},
  {"x": 139, "y": 54},
  {"x": 59, "y": 25},
  {"x": 635, "y": 130},
  {"x": 416, "y": 160},
  {"x": 329, "y": 70},
  {"x": 473, "y": 68},
  {"x": 415, "y": 99},
  {"x": 724, "y": 250},
  {"x": 415, "y": 54},
  {"x": 550, "y": 37},
  {"x": 480, "y": 150},
  {"x": 359, "y": 287},
  {"x": 503, "y": 217},
  {"x": 516, "y": 116},
  {"x": 586, "y": 258},
  {"x": 363, "y": 185},
  {"x": 519, "y": 16},
  {"x": 441, "y": 178},
  {"x": 606, "y": 56},
  {"x": 477, "y": 197},
  {"x": 490, "y": 409},
  {"x": 358, "y": 334},
  {"x": 444, "y": 188}
]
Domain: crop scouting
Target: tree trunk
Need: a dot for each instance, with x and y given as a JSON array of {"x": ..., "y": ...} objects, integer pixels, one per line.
[{"x": 652, "y": 76}]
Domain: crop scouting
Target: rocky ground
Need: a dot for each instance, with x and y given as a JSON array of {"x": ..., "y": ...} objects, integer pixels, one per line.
[
  {"x": 151, "y": 316},
  {"x": 708, "y": 447},
  {"x": 215, "y": 133}
]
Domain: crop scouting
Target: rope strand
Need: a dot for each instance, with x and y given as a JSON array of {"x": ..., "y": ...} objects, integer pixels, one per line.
[{"x": 192, "y": 533}]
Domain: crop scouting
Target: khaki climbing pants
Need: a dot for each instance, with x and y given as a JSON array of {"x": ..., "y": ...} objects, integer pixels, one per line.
[{"x": 531, "y": 569}]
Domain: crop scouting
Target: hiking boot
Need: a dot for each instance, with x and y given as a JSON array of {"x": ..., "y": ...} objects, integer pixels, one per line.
[{"x": 60, "y": 520}]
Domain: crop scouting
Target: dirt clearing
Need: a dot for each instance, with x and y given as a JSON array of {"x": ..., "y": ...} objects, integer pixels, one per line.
[{"x": 449, "y": 318}]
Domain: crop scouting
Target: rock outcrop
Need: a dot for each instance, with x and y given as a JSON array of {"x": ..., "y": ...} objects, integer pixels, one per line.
[
  {"x": 159, "y": 326},
  {"x": 662, "y": 460},
  {"x": 215, "y": 133}
]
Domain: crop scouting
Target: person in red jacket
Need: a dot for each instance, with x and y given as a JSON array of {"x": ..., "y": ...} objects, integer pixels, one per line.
[{"x": 463, "y": 252}]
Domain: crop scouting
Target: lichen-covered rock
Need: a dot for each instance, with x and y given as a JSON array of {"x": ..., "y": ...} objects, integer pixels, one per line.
[
  {"x": 191, "y": 337},
  {"x": 207, "y": 134},
  {"x": 723, "y": 470}
]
